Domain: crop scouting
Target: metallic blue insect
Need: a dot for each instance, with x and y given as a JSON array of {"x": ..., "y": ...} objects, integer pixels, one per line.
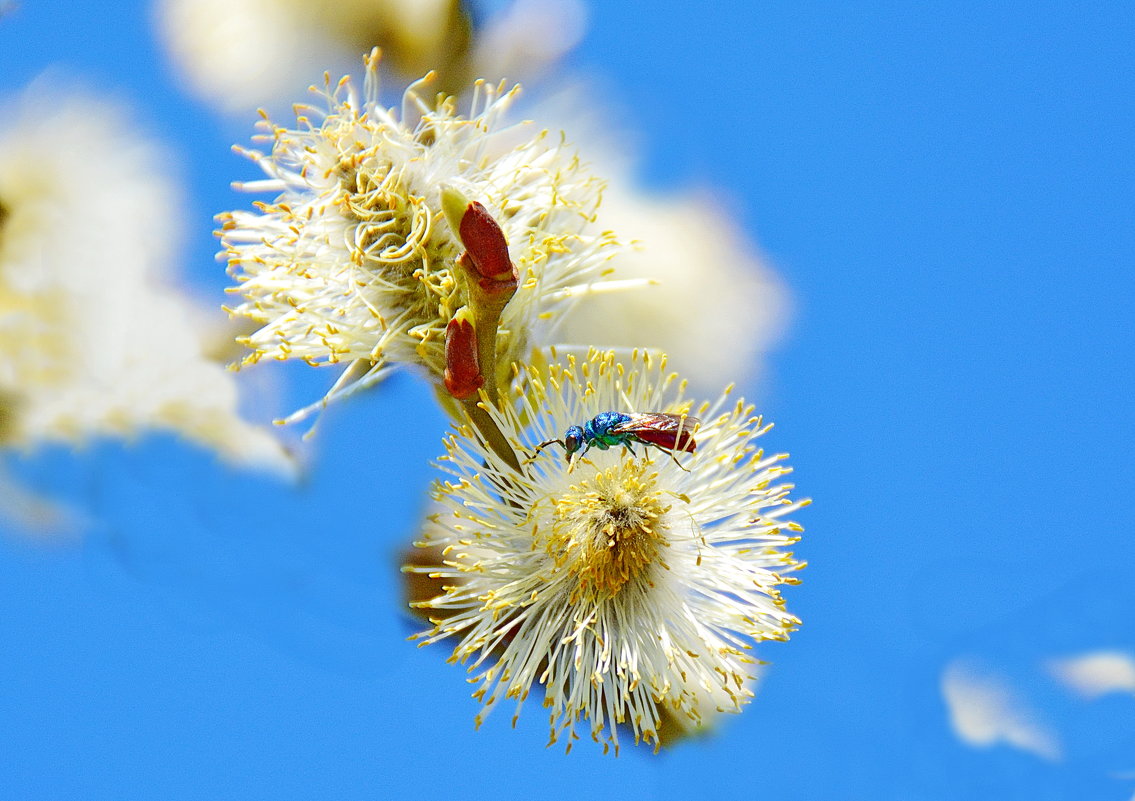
[{"x": 667, "y": 432}]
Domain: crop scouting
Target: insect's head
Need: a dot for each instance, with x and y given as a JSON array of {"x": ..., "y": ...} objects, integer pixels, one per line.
[{"x": 573, "y": 440}]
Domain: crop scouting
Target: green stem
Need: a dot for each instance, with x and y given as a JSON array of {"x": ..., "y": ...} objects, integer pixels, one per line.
[
  {"x": 471, "y": 411},
  {"x": 488, "y": 321},
  {"x": 491, "y": 433}
]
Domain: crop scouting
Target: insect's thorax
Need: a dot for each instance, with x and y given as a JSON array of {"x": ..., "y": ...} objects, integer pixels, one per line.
[{"x": 597, "y": 427}]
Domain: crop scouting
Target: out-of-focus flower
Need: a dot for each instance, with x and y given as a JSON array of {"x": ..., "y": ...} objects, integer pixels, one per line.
[
  {"x": 627, "y": 588},
  {"x": 1097, "y": 673},
  {"x": 244, "y": 54},
  {"x": 354, "y": 261},
  {"x": 715, "y": 306},
  {"x": 95, "y": 340},
  {"x": 985, "y": 711},
  {"x": 527, "y": 38},
  {"x": 23, "y": 510}
]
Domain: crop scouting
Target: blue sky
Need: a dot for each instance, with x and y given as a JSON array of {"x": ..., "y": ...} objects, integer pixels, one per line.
[{"x": 947, "y": 189}]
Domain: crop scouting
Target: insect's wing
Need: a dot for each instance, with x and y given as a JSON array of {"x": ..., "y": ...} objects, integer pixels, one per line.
[{"x": 669, "y": 431}]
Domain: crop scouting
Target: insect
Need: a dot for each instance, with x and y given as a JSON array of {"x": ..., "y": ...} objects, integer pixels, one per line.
[{"x": 667, "y": 432}]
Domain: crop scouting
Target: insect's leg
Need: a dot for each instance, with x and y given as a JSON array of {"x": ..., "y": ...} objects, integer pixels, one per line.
[
  {"x": 627, "y": 445},
  {"x": 672, "y": 455},
  {"x": 572, "y": 460}
]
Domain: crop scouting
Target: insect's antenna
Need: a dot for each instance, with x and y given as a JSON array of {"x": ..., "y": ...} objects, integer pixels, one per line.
[{"x": 543, "y": 445}]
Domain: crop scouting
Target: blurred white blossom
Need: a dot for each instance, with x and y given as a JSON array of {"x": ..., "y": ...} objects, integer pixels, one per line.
[
  {"x": 96, "y": 340},
  {"x": 527, "y": 38},
  {"x": 624, "y": 587},
  {"x": 244, "y": 54},
  {"x": 1096, "y": 673},
  {"x": 715, "y": 306},
  {"x": 985, "y": 711}
]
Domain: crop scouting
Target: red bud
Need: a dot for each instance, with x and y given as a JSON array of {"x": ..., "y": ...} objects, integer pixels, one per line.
[
  {"x": 485, "y": 243},
  {"x": 462, "y": 367}
]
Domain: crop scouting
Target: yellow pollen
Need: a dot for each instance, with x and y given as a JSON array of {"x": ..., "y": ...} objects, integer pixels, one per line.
[{"x": 607, "y": 530}]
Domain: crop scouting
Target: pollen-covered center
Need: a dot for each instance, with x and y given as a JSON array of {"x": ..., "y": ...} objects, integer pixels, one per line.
[
  {"x": 608, "y": 530},
  {"x": 395, "y": 240}
]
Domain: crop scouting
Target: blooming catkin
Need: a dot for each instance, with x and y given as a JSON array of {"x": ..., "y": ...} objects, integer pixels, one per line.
[
  {"x": 353, "y": 261},
  {"x": 623, "y": 586}
]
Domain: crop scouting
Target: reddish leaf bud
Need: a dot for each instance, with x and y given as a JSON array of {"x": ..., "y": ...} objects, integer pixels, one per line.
[
  {"x": 462, "y": 367},
  {"x": 484, "y": 241}
]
